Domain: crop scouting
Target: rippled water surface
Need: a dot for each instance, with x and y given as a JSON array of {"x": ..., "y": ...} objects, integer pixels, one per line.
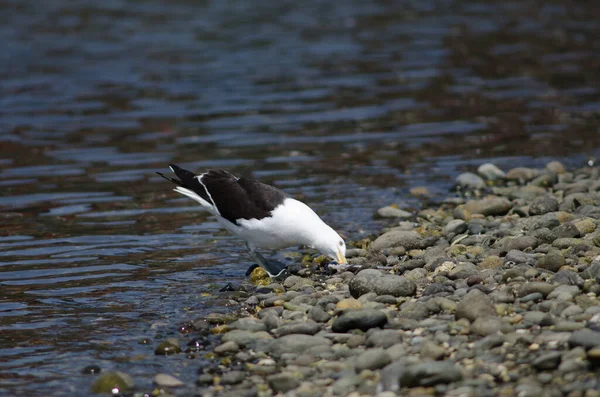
[{"x": 345, "y": 105}]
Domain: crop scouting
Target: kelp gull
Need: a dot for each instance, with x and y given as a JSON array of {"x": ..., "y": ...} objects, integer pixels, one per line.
[{"x": 262, "y": 215}]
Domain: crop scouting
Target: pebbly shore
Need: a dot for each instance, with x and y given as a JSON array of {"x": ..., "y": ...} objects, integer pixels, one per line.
[{"x": 493, "y": 291}]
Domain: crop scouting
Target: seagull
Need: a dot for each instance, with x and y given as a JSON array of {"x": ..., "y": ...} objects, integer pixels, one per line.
[{"x": 261, "y": 215}]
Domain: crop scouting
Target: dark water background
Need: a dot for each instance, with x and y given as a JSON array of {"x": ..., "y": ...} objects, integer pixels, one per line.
[{"x": 345, "y": 105}]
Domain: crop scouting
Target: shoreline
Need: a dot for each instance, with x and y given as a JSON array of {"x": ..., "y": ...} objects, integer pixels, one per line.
[{"x": 490, "y": 293}]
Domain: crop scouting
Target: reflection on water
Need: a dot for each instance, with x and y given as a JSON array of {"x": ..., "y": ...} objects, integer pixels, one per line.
[{"x": 345, "y": 105}]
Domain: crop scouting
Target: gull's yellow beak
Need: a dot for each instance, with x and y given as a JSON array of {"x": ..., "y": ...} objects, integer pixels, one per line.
[{"x": 341, "y": 258}]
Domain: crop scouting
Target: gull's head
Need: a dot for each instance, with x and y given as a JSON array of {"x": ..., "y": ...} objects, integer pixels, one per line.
[{"x": 330, "y": 243}]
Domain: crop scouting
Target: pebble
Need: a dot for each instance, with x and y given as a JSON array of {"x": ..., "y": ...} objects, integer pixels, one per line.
[
  {"x": 372, "y": 280},
  {"x": 489, "y": 206},
  {"x": 547, "y": 361},
  {"x": 397, "y": 238},
  {"x": 392, "y": 211},
  {"x": 372, "y": 359},
  {"x": 429, "y": 374},
  {"x": 114, "y": 382},
  {"x": 475, "y": 305},
  {"x": 359, "y": 319},
  {"x": 543, "y": 204},
  {"x": 297, "y": 344},
  {"x": 585, "y": 338},
  {"x": 552, "y": 261},
  {"x": 491, "y": 172},
  {"x": 282, "y": 383},
  {"x": 468, "y": 180}
]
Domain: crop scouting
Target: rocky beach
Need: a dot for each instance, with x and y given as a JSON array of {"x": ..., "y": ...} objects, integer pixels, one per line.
[{"x": 492, "y": 291}]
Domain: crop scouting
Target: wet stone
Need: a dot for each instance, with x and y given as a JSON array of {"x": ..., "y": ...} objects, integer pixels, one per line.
[
  {"x": 227, "y": 347},
  {"x": 456, "y": 226},
  {"x": 543, "y": 204},
  {"x": 166, "y": 380},
  {"x": 491, "y": 172},
  {"x": 566, "y": 277},
  {"x": 468, "y": 180},
  {"x": 475, "y": 305},
  {"x": 233, "y": 377},
  {"x": 283, "y": 382},
  {"x": 245, "y": 338},
  {"x": 429, "y": 374},
  {"x": 359, "y": 319},
  {"x": 307, "y": 328},
  {"x": 318, "y": 314},
  {"x": 91, "y": 370},
  {"x": 372, "y": 280},
  {"x": 489, "y": 206},
  {"x": 383, "y": 338},
  {"x": 297, "y": 344},
  {"x": 392, "y": 211},
  {"x": 398, "y": 238},
  {"x": 372, "y": 359},
  {"x": 585, "y": 338},
  {"x": 169, "y": 346},
  {"x": 109, "y": 382},
  {"x": 547, "y": 361}
]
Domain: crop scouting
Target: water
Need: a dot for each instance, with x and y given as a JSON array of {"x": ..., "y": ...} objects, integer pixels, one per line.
[{"x": 345, "y": 106}]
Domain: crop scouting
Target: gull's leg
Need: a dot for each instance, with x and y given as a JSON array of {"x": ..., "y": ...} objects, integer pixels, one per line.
[{"x": 273, "y": 268}]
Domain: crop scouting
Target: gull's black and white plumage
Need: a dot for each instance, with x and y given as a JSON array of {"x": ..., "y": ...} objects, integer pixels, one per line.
[{"x": 262, "y": 215}]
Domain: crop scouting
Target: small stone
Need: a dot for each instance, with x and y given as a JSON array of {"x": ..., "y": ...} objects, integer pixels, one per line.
[
  {"x": 491, "y": 172},
  {"x": 455, "y": 226},
  {"x": 567, "y": 277},
  {"x": 166, "y": 380},
  {"x": 372, "y": 280},
  {"x": 91, "y": 370},
  {"x": 547, "y": 361},
  {"x": 383, "y": 338},
  {"x": 115, "y": 382},
  {"x": 469, "y": 180},
  {"x": 552, "y": 261},
  {"x": 475, "y": 305},
  {"x": 304, "y": 327},
  {"x": 522, "y": 243},
  {"x": 556, "y": 167},
  {"x": 543, "y": 204},
  {"x": 429, "y": 374},
  {"x": 248, "y": 324},
  {"x": 297, "y": 344},
  {"x": 283, "y": 382},
  {"x": 397, "y": 238},
  {"x": 521, "y": 174},
  {"x": 372, "y": 359},
  {"x": 489, "y": 206},
  {"x": 566, "y": 230},
  {"x": 227, "y": 347},
  {"x": 430, "y": 350},
  {"x": 585, "y": 338},
  {"x": 584, "y": 226},
  {"x": 592, "y": 272},
  {"x": 245, "y": 338},
  {"x": 462, "y": 271},
  {"x": 535, "y": 286},
  {"x": 359, "y": 319},
  {"x": 349, "y": 303},
  {"x": 319, "y": 315},
  {"x": 484, "y": 326},
  {"x": 233, "y": 377},
  {"x": 169, "y": 346},
  {"x": 491, "y": 262},
  {"x": 392, "y": 211}
]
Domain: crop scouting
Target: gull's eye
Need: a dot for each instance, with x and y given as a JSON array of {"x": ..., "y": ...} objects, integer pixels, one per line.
[{"x": 341, "y": 243}]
